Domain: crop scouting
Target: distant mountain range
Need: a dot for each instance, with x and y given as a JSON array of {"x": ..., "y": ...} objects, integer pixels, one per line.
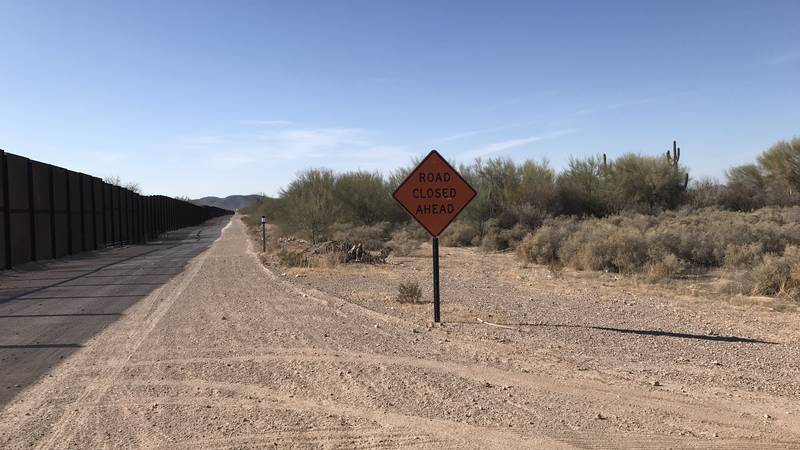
[{"x": 231, "y": 202}]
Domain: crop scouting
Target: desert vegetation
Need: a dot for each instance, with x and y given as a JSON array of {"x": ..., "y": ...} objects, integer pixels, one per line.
[{"x": 636, "y": 214}]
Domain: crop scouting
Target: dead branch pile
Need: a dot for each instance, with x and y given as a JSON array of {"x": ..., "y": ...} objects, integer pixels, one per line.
[{"x": 351, "y": 252}]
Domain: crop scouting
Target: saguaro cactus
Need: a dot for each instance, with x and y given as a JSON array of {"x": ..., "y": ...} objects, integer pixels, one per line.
[
  {"x": 673, "y": 159},
  {"x": 676, "y": 154}
]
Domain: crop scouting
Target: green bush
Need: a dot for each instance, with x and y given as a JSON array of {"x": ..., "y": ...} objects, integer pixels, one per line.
[
  {"x": 580, "y": 188},
  {"x": 636, "y": 182}
]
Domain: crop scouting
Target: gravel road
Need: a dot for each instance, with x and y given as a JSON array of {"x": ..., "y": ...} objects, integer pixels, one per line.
[{"x": 231, "y": 354}]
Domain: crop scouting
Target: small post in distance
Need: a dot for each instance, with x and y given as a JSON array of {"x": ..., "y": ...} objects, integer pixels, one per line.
[{"x": 264, "y": 234}]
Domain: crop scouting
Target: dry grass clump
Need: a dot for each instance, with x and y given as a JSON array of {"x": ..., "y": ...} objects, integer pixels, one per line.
[
  {"x": 667, "y": 268},
  {"x": 291, "y": 258},
  {"x": 778, "y": 275},
  {"x": 409, "y": 292},
  {"x": 460, "y": 234},
  {"x": 743, "y": 256},
  {"x": 404, "y": 242}
]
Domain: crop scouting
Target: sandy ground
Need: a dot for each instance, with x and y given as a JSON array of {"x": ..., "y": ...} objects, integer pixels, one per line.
[{"x": 230, "y": 354}]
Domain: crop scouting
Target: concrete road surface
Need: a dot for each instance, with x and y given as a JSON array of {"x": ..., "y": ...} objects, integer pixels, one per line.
[{"x": 220, "y": 352}]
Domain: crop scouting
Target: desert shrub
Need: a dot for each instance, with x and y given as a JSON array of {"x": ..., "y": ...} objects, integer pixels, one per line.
[
  {"x": 525, "y": 215},
  {"x": 496, "y": 238},
  {"x": 643, "y": 183},
  {"x": 556, "y": 269},
  {"x": 371, "y": 237},
  {"x": 781, "y": 164},
  {"x": 523, "y": 194},
  {"x": 778, "y": 275},
  {"x": 308, "y": 205},
  {"x": 542, "y": 246},
  {"x": 743, "y": 255},
  {"x": 263, "y": 207},
  {"x": 404, "y": 242},
  {"x": 704, "y": 193},
  {"x": 598, "y": 245},
  {"x": 409, "y": 292},
  {"x": 364, "y": 198},
  {"x": 580, "y": 189},
  {"x": 668, "y": 266},
  {"x": 460, "y": 234},
  {"x": 746, "y": 188},
  {"x": 291, "y": 258}
]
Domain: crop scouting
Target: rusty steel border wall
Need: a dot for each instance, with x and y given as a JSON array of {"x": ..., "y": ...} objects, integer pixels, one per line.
[{"x": 47, "y": 212}]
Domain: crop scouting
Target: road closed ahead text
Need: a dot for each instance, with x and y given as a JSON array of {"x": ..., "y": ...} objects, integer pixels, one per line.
[{"x": 438, "y": 197}]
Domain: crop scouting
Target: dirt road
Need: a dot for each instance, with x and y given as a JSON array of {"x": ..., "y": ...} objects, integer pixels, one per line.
[{"x": 229, "y": 354}]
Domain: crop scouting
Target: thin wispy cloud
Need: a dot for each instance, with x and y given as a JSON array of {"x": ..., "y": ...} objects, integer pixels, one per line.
[
  {"x": 472, "y": 133},
  {"x": 324, "y": 146},
  {"x": 784, "y": 58},
  {"x": 555, "y": 118},
  {"x": 509, "y": 144},
  {"x": 611, "y": 107},
  {"x": 271, "y": 123}
]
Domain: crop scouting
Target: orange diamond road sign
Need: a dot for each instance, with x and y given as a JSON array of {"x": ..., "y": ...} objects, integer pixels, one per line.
[{"x": 434, "y": 193}]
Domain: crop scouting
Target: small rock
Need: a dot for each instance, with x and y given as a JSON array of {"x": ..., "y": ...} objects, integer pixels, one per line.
[
  {"x": 600, "y": 417},
  {"x": 224, "y": 318},
  {"x": 655, "y": 383},
  {"x": 767, "y": 416},
  {"x": 376, "y": 326},
  {"x": 716, "y": 363}
]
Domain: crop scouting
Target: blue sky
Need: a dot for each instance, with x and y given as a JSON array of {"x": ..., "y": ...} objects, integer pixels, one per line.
[{"x": 216, "y": 98}]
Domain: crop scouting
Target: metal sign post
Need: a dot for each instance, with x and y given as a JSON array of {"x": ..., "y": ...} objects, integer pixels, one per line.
[
  {"x": 264, "y": 234},
  {"x": 436, "y": 313},
  {"x": 434, "y": 194}
]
